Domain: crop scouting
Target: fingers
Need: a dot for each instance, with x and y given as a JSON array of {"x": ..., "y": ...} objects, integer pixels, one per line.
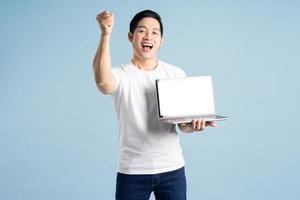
[
  {"x": 106, "y": 21},
  {"x": 199, "y": 124},
  {"x": 194, "y": 124},
  {"x": 105, "y": 17}
]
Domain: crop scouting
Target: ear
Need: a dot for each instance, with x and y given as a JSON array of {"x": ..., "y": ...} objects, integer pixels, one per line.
[{"x": 130, "y": 36}]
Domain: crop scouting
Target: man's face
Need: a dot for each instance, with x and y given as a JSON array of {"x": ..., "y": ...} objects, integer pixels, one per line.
[{"x": 146, "y": 39}]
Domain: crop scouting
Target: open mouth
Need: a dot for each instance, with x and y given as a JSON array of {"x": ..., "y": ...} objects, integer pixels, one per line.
[{"x": 147, "y": 47}]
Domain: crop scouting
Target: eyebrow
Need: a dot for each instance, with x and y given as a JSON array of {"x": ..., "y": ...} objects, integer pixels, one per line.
[{"x": 141, "y": 26}]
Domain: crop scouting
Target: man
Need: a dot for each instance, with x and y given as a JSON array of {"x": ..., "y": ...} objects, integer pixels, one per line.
[{"x": 150, "y": 157}]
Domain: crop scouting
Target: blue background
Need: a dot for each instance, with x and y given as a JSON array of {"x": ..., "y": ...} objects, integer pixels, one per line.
[{"x": 58, "y": 135}]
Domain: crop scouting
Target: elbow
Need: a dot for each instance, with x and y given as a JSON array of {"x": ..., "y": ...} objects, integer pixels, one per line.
[
  {"x": 104, "y": 88},
  {"x": 105, "y": 81}
]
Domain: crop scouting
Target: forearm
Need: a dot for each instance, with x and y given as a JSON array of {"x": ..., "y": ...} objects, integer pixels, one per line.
[
  {"x": 186, "y": 128},
  {"x": 102, "y": 66}
]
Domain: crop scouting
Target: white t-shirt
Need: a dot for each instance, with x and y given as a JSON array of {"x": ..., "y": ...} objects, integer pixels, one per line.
[{"x": 146, "y": 145}]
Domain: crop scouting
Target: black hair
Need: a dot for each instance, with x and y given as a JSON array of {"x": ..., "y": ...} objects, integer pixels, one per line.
[{"x": 143, "y": 14}]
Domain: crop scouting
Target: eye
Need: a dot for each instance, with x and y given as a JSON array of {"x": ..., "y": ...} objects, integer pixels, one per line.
[
  {"x": 156, "y": 33},
  {"x": 141, "y": 30}
]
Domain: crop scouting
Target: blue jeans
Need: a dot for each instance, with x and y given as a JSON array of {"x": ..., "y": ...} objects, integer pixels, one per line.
[{"x": 166, "y": 186}]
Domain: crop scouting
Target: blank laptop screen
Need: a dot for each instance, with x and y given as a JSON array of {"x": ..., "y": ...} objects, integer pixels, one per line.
[{"x": 185, "y": 96}]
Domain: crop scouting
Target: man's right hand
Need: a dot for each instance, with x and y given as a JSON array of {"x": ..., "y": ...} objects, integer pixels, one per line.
[{"x": 106, "y": 22}]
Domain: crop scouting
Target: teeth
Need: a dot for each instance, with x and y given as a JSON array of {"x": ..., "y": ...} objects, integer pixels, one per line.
[{"x": 147, "y": 45}]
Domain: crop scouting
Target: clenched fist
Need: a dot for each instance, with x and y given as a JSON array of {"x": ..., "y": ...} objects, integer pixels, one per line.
[{"x": 106, "y": 22}]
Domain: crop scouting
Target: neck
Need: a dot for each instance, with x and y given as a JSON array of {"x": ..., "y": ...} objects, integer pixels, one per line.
[{"x": 146, "y": 65}]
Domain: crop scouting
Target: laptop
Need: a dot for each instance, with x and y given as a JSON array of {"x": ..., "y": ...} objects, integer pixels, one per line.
[{"x": 180, "y": 100}]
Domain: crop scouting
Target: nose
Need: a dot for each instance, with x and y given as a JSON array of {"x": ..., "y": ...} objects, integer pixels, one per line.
[{"x": 148, "y": 35}]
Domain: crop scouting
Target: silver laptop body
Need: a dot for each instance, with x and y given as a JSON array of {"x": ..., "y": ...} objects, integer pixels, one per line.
[{"x": 180, "y": 100}]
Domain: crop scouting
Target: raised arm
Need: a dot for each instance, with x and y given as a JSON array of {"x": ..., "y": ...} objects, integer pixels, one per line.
[{"x": 102, "y": 62}]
